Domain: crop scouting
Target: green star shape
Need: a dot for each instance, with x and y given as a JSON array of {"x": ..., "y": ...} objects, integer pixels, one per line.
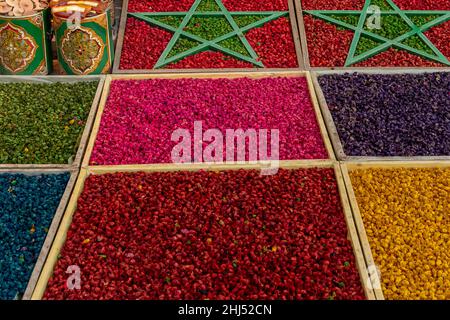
[
  {"x": 387, "y": 8},
  {"x": 208, "y": 9}
]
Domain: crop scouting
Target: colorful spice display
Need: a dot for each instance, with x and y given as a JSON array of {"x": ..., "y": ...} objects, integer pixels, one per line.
[
  {"x": 207, "y": 34},
  {"x": 140, "y": 116},
  {"x": 42, "y": 123},
  {"x": 390, "y": 115},
  {"x": 209, "y": 235},
  {"x": 405, "y": 214},
  {"x": 347, "y": 33},
  {"x": 230, "y": 234},
  {"x": 28, "y": 204}
]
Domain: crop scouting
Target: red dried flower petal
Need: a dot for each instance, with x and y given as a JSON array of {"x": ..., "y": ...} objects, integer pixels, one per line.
[
  {"x": 229, "y": 235},
  {"x": 140, "y": 116}
]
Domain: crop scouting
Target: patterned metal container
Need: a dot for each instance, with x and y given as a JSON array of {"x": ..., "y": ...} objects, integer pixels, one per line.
[
  {"x": 85, "y": 47},
  {"x": 25, "y": 44}
]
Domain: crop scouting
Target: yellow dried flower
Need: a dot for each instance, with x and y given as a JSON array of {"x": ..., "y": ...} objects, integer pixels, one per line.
[{"x": 406, "y": 216}]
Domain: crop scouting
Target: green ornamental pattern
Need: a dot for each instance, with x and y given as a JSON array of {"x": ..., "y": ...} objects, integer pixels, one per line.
[
  {"x": 17, "y": 48},
  {"x": 82, "y": 49},
  {"x": 401, "y": 29},
  {"x": 208, "y": 25},
  {"x": 78, "y": 54},
  {"x": 24, "y": 36}
]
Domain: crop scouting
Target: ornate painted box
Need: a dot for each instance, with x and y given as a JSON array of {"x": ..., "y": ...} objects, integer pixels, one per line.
[
  {"x": 85, "y": 47},
  {"x": 25, "y": 46}
]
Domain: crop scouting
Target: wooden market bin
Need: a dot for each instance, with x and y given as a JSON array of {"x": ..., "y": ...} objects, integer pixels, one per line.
[
  {"x": 121, "y": 34},
  {"x": 83, "y": 139},
  {"x": 346, "y": 168},
  {"x": 96, "y": 170},
  {"x": 230, "y": 75},
  {"x": 53, "y": 228},
  {"x": 304, "y": 48},
  {"x": 331, "y": 127}
]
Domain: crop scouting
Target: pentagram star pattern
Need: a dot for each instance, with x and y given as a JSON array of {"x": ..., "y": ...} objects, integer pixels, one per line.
[
  {"x": 179, "y": 23},
  {"x": 413, "y": 24}
]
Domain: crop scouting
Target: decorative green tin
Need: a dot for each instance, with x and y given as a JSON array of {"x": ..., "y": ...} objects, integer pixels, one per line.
[
  {"x": 25, "y": 46},
  {"x": 86, "y": 46}
]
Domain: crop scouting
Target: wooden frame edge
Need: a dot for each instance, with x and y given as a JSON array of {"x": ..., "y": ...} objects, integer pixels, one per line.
[
  {"x": 49, "y": 78},
  {"x": 302, "y": 33},
  {"x": 88, "y": 126},
  {"x": 328, "y": 119},
  {"x": 296, "y": 34},
  {"x": 121, "y": 35},
  {"x": 260, "y": 73},
  {"x": 320, "y": 118},
  {"x": 97, "y": 121},
  {"x": 167, "y": 167},
  {"x": 364, "y": 240},
  {"x": 59, "y": 239},
  {"x": 386, "y": 164},
  {"x": 358, "y": 251},
  {"x": 53, "y": 228},
  {"x": 30, "y": 166}
]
